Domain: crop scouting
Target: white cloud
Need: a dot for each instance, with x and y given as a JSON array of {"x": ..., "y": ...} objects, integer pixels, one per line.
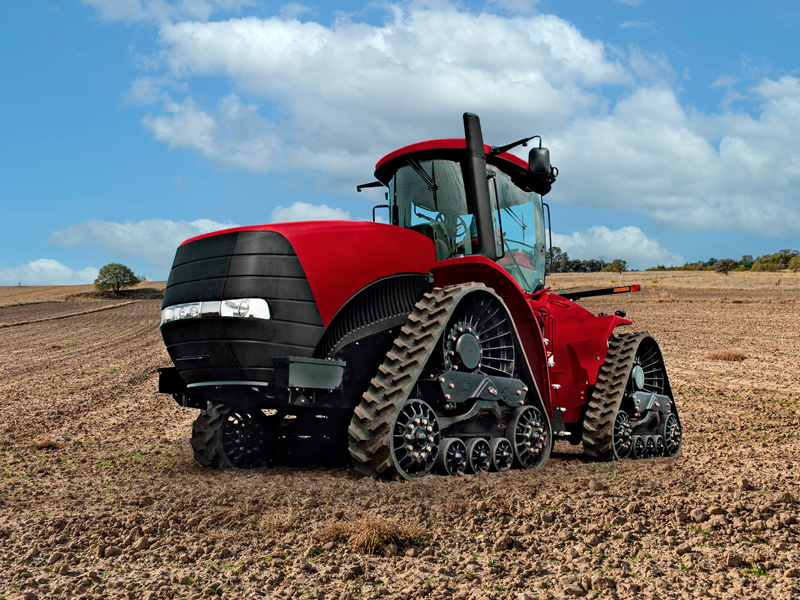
[
  {"x": 636, "y": 24},
  {"x": 631, "y": 2},
  {"x": 46, "y": 271},
  {"x": 336, "y": 98},
  {"x": 302, "y": 211},
  {"x": 155, "y": 240},
  {"x": 235, "y": 135},
  {"x": 627, "y": 243},
  {"x": 649, "y": 155},
  {"x": 293, "y": 10},
  {"x": 785, "y": 87},
  {"x": 724, "y": 81},
  {"x": 160, "y": 10},
  {"x": 145, "y": 91},
  {"x": 348, "y": 92},
  {"x": 516, "y": 6}
]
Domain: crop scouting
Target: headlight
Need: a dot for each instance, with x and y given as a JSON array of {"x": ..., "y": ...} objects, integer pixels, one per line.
[{"x": 244, "y": 308}]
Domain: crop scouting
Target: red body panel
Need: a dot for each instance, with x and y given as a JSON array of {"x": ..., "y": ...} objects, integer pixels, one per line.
[
  {"x": 577, "y": 342},
  {"x": 574, "y": 340},
  {"x": 342, "y": 257},
  {"x": 448, "y": 144}
]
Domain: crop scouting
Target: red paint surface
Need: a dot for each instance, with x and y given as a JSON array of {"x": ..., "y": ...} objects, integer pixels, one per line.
[
  {"x": 342, "y": 257},
  {"x": 577, "y": 341},
  {"x": 449, "y": 144}
]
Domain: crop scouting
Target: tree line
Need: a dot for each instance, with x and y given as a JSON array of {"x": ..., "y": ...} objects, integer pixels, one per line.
[
  {"x": 559, "y": 261},
  {"x": 783, "y": 259}
]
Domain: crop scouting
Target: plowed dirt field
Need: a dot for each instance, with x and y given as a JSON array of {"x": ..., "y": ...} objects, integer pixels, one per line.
[{"x": 100, "y": 496}]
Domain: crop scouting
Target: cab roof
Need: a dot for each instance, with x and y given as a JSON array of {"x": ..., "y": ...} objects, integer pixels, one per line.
[{"x": 449, "y": 149}]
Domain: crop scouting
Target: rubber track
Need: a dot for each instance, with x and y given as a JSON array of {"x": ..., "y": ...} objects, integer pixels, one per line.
[
  {"x": 598, "y": 424},
  {"x": 207, "y": 436},
  {"x": 371, "y": 427}
]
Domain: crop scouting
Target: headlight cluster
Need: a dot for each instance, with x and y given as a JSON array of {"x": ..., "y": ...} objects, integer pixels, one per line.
[{"x": 244, "y": 308}]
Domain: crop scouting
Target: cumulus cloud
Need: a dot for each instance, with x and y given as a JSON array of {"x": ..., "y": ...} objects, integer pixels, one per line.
[
  {"x": 302, "y": 211},
  {"x": 349, "y": 92},
  {"x": 158, "y": 10},
  {"x": 155, "y": 240},
  {"x": 687, "y": 171},
  {"x": 46, "y": 271},
  {"x": 627, "y": 243},
  {"x": 336, "y": 97}
]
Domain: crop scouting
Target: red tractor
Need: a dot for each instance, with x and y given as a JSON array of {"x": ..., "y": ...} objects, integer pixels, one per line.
[{"x": 430, "y": 344}]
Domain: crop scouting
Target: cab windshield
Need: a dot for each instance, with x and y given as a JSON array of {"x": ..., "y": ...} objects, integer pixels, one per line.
[{"x": 430, "y": 197}]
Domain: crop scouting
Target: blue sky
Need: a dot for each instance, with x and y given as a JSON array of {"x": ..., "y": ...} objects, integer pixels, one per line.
[{"x": 129, "y": 125}]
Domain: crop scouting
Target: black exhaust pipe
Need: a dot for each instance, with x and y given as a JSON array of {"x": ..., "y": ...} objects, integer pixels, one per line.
[{"x": 478, "y": 186}]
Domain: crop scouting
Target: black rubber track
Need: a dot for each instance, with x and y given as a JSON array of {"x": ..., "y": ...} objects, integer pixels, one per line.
[
  {"x": 598, "y": 424},
  {"x": 371, "y": 427}
]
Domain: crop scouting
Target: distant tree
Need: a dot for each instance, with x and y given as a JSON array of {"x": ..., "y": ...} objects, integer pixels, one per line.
[
  {"x": 725, "y": 265},
  {"x": 619, "y": 266},
  {"x": 115, "y": 276},
  {"x": 794, "y": 264}
]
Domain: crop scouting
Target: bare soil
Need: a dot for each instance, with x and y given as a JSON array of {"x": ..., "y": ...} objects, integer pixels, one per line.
[{"x": 100, "y": 496}]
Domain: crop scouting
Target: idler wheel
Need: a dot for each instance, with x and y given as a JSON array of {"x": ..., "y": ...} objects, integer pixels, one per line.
[
  {"x": 638, "y": 446},
  {"x": 527, "y": 432},
  {"x": 673, "y": 435},
  {"x": 415, "y": 439},
  {"x": 452, "y": 457},
  {"x": 502, "y": 454},
  {"x": 479, "y": 455}
]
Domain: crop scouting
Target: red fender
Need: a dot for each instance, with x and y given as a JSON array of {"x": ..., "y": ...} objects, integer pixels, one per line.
[{"x": 527, "y": 321}]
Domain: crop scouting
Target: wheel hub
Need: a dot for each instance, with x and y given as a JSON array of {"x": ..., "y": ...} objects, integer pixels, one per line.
[
  {"x": 463, "y": 346},
  {"x": 416, "y": 438}
]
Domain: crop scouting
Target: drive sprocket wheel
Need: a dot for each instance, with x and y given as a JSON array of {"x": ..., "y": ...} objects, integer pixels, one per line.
[
  {"x": 223, "y": 436},
  {"x": 603, "y": 435},
  {"x": 528, "y": 433}
]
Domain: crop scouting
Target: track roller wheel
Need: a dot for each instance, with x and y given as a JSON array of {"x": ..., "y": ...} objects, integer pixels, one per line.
[
  {"x": 479, "y": 455},
  {"x": 452, "y": 457},
  {"x": 502, "y": 454},
  {"x": 650, "y": 446},
  {"x": 673, "y": 436},
  {"x": 622, "y": 435},
  {"x": 527, "y": 432},
  {"x": 659, "y": 445},
  {"x": 415, "y": 439},
  {"x": 223, "y": 436},
  {"x": 638, "y": 446}
]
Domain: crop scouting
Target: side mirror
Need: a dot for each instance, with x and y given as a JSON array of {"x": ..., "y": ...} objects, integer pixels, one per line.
[
  {"x": 539, "y": 162},
  {"x": 543, "y": 175}
]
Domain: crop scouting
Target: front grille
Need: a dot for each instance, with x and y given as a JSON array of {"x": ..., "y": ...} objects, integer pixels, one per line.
[{"x": 242, "y": 264}]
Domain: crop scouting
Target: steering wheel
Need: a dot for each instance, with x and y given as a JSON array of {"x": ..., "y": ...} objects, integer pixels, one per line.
[{"x": 461, "y": 225}]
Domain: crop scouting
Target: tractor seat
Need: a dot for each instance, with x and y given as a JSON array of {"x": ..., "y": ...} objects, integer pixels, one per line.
[{"x": 436, "y": 231}]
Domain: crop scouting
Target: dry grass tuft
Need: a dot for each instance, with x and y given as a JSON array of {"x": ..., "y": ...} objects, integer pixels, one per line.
[
  {"x": 277, "y": 523},
  {"x": 369, "y": 534},
  {"x": 731, "y": 355},
  {"x": 45, "y": 441}
]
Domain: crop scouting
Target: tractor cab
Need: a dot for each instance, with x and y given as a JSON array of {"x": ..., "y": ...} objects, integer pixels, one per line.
[{"x": 430, "y": 192}]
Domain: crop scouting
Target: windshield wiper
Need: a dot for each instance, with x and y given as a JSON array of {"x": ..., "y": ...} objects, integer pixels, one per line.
[
  {"x": 422, "y": 174},
  {"x": 429, "y": 181}
]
